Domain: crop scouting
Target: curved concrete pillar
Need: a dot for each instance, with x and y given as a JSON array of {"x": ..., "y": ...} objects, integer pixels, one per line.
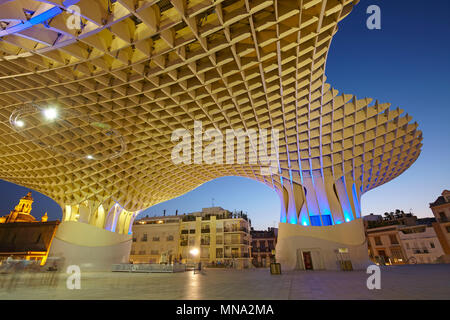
[
  {"x": 94, "y": 235},
  {"x": 284, "y": 202},
  {"x": 89, "y": 247},
  {"x": 293, "y": 208},
  {"x": 323, "y": 244}
]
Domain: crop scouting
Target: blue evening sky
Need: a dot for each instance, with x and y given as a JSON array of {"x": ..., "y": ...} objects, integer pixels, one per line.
[{"x": 406, "y": 63}]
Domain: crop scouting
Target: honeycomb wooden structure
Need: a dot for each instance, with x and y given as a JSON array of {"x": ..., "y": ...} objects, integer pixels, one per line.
[{"x": 146, "y": 68}]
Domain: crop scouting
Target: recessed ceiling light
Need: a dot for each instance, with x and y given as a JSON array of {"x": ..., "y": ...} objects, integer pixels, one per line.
[
  {"x": 19, "y": 123},
  {"x": 89, "y": 157},
  {"x": 50, "y": 113}
]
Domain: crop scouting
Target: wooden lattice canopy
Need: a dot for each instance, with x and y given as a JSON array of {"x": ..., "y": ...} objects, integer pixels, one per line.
[{"x": 134, "y": 71}]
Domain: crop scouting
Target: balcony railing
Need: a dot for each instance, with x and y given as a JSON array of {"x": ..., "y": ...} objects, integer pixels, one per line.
[
  {"x": 235, "y": 256},
  {"x": 420, "y": 251},
  {"x": 240, "y": 242},
  {"x": 241, "y": 229}
]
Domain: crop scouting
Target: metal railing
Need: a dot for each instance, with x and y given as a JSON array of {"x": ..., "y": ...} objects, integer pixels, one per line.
[{"x": 241, "y": 229}]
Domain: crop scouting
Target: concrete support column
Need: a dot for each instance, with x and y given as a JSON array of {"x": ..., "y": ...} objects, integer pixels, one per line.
[{"x": 94, "y": 235}]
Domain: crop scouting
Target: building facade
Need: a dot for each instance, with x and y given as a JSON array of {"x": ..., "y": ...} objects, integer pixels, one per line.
[
  {"x": 155, "y": 240},
  {"x": 211, "y": 236},
  {"x": 420, "y": 244},
  {"x": 263, "y": 246},
  {"x": 22, "y": 237},
  {"x": 401, "y": 238},
  {"x": 441, "y": 211}
]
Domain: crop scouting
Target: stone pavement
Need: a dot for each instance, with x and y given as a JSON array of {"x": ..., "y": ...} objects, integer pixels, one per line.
[{"x": 397, "y": 282}]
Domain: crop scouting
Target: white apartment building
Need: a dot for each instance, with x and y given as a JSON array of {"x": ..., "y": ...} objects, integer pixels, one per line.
[
  {"x": 155, "y": 240},
  {"x": 220, "y": 237},
  {"x": 421, "y": 243},
  {"x": 213, "y": 236}
]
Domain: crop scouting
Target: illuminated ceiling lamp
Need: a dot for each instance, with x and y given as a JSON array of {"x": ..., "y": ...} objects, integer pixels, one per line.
[
  {"x": 50, "y": 113},
  {"x": 19, "y": 123}
]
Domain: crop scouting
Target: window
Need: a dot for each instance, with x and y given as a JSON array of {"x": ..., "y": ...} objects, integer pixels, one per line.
[
  {"x": 154, "y": 252},
  {"x": 262, "y": 245},
  {"x": 204, "y": 240},
  {"x": 393, "y": 239},
  {"x": 448, "y": 229},
  {"x": 155, "y": 238},
  {"x": 432, "y": 245},
  {"x": 132, "y": 252},
  {"x": 326, "y": 218},
  {"x": 378, "y": 241},
  {"x": 144, "y": 237},
  {"x": 315, "y": 220},
  {"x": 382, "y": 253},
  {"x": 397, "y": 254},
  {"x": 170, "y": 238},
  {"x": 142, "y": 252}
]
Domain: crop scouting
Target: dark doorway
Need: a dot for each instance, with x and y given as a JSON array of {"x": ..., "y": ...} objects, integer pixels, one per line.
[{"x": 307, "y": 260}]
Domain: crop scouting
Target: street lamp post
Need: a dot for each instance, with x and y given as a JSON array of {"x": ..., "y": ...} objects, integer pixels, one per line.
[{"x": 194, "y": 252}]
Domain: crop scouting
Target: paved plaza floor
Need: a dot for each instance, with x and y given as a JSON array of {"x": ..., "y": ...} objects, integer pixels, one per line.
[{"x": 397, "y": 282}]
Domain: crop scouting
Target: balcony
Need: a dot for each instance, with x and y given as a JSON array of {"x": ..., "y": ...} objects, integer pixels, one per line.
[
  {"x": 236, "y": 243},
  {"x": 184, "y": 231},
  {"x": 236, "y": 256},
  {"x": 241, "y": 229},
  {"x": 206, "y": 231},
  {"x": 204, "y": 242},
  {"x": 420, "y": 251}
]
